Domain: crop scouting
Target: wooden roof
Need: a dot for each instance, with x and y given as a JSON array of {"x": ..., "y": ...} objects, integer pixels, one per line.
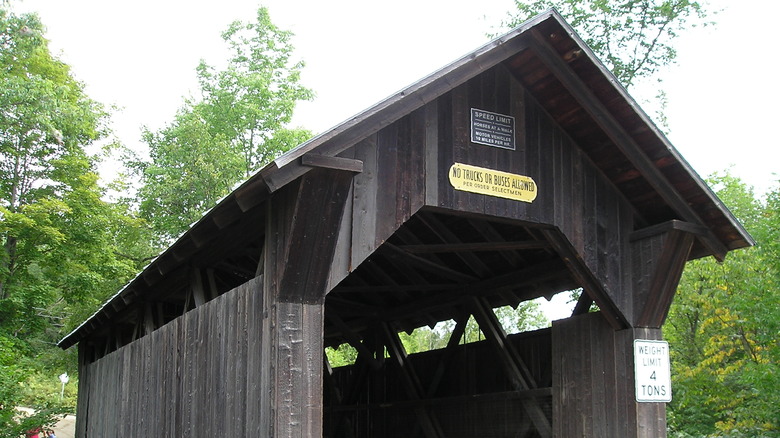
[{"x": 547, "y": 57}]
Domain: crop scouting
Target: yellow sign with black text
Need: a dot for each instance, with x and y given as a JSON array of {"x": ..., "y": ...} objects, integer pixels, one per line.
[{"x": 492, "y": 182}]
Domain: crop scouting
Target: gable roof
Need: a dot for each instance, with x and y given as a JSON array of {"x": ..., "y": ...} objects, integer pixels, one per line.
[{"x": 558, "y": 69}]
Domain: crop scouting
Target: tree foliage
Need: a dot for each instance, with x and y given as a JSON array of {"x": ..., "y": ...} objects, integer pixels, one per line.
[
  {"x": 634, "y": 38},
  {"x": 525, "y": 317},
  {"x": 64, "y": 249},
  {"x": 724, "y": 323},
  {"x": 235, "y": 127},
  {"x": 723, "y": 328}
]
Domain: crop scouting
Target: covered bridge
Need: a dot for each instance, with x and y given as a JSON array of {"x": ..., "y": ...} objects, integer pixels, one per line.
[{"x": 519, "y": 171}]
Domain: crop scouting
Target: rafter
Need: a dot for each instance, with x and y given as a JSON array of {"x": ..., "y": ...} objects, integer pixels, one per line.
[
  {"x": 513, "y": 364},
  {"x": 474, "y": 247},
  {"x": 395, "y": 253},
  {"x": 411, "y": 382},
  {"x": 622, "y": 139}
]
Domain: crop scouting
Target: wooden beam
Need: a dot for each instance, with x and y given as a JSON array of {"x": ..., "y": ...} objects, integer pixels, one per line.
[
  {"x": 251, "y": 193},
  {"x": 394, "y": 288},
  {"x": 622, "y": 139},
  {"x": 211, "y": 281},
  {"x": 329, "y": 384},
  {"x": 513, "y": 280},
  {"x": 184, "y": 248},
  {"x": 474, "y": 247},
  {"x": 196, "y": 285},
  {"x": 518, "y": 280},
  {"x": 488, "y": 232},
  {"x": 166, "y": 262},
  {"x": 187, "y": 300},
  {"x": 438, "y": 228},
  {"x": 226, "y": 212},
  {"x": 411, "y": 383},
  {"x": 494, "y": 332},
  {"x": 313, "y": 235},
  {"x": 583, "y": 304},
  {"x": 441, "y": 367},
  {"x": 352, "y": 339},
  {"x": 663, "y": 283},
  {"x": 236, "y": 270},
  {"x": 516, "y": 369},
  {"x": 394, "y": 252},
  {"x": 665, "y": 227},
  {"x": 452, "y": 345},
  {"x": 149, "y": 325},
  {"x": 459, "y": 400},
  {"x": 397, "y": 259},
  {"x": 261, "y": 262},
  {"x": 362, "y": 367},
  {"x": 336, "y": 163},
  {"x": 409, "y": 238},
  {"x": 587, "y": 280}
]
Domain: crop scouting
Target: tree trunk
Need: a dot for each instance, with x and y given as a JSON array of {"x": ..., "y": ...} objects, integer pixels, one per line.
[{"x": 7, "y": 264}]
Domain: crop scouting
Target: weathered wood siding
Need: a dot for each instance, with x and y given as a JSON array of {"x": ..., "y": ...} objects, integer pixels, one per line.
[
  {"x": 657, "y": 264},
  {"x": 298, "y": 250},
  {"x": 593, "y": 381},
  {"x": 472, "y": 397},
  {"x": 198, "y": 376},
  {"x": 406, "y": 168}
]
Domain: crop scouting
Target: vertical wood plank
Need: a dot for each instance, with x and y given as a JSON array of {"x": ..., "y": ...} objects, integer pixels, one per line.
[
  {"x": 533, "y": 126},
  {"x": 446, "y": 155},
  {"x": 432, "y": 165},
  {"x": 365, "y": 187},
  {"x": 417, "y": 168},
  {"x": 342, "y": 256},
  {"x": 313, "y": 353},
  {"x": 85, "y": 383},
  {"x": 179, "y": 380},
  {"x": 593, "y": 381}
]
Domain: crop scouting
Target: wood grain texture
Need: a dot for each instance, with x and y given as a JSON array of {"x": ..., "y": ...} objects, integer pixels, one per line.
[
  {"x": 593, "y": 381},
  {"x": 183, "y": 379}
]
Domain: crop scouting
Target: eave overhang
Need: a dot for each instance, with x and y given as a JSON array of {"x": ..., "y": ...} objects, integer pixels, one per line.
[{"x": 558, "y": 69}]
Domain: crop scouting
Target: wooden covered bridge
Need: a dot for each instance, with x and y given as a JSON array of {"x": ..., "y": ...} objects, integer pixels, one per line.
[{"x": 519, "y": 171}]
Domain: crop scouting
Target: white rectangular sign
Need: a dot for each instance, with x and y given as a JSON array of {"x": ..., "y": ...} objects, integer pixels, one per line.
[{"x": 652, "y": 371}]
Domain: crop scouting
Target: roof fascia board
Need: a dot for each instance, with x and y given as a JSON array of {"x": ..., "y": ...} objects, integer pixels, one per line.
[
  {"x": 619, "y": 88},
  {"x": 288, "y": 167},
  {"x": 623, "y": 140}
]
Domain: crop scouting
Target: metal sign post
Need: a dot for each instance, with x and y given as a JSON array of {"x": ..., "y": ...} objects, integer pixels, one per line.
[{"x": 64, "y": 379}]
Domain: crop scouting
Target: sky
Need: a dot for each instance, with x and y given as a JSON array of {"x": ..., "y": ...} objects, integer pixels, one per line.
[{"x": 140, "y": 56}]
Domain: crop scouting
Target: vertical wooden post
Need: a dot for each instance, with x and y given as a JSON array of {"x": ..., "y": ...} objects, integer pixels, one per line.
[
  {"x": 593, "y": 381},
  {"x": 302, "y": 230},
  {"x": 658, "y": 256},
  {"x": 82, "y": 404}
]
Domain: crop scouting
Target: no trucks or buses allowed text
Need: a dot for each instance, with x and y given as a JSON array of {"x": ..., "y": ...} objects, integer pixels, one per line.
[{"x": 492, "y": 182}]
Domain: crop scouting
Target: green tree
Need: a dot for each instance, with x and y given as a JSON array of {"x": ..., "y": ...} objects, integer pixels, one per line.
[
  {"x": 60, "y": 239},
  {"x": 253, "y": 99},
  {"x": 44, "y": 119},
  {"x": 634, "y": 38},
  {"x": 525, "y": 317},
  {"x": 12, "y": 425},
  {"x": 723, "y": 328},
  {"x": 64, "y": 248},
  {"x": 236, "y": 126}
]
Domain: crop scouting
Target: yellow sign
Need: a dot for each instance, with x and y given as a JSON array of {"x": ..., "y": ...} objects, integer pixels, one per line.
[{"x": 492, "y": 182}]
